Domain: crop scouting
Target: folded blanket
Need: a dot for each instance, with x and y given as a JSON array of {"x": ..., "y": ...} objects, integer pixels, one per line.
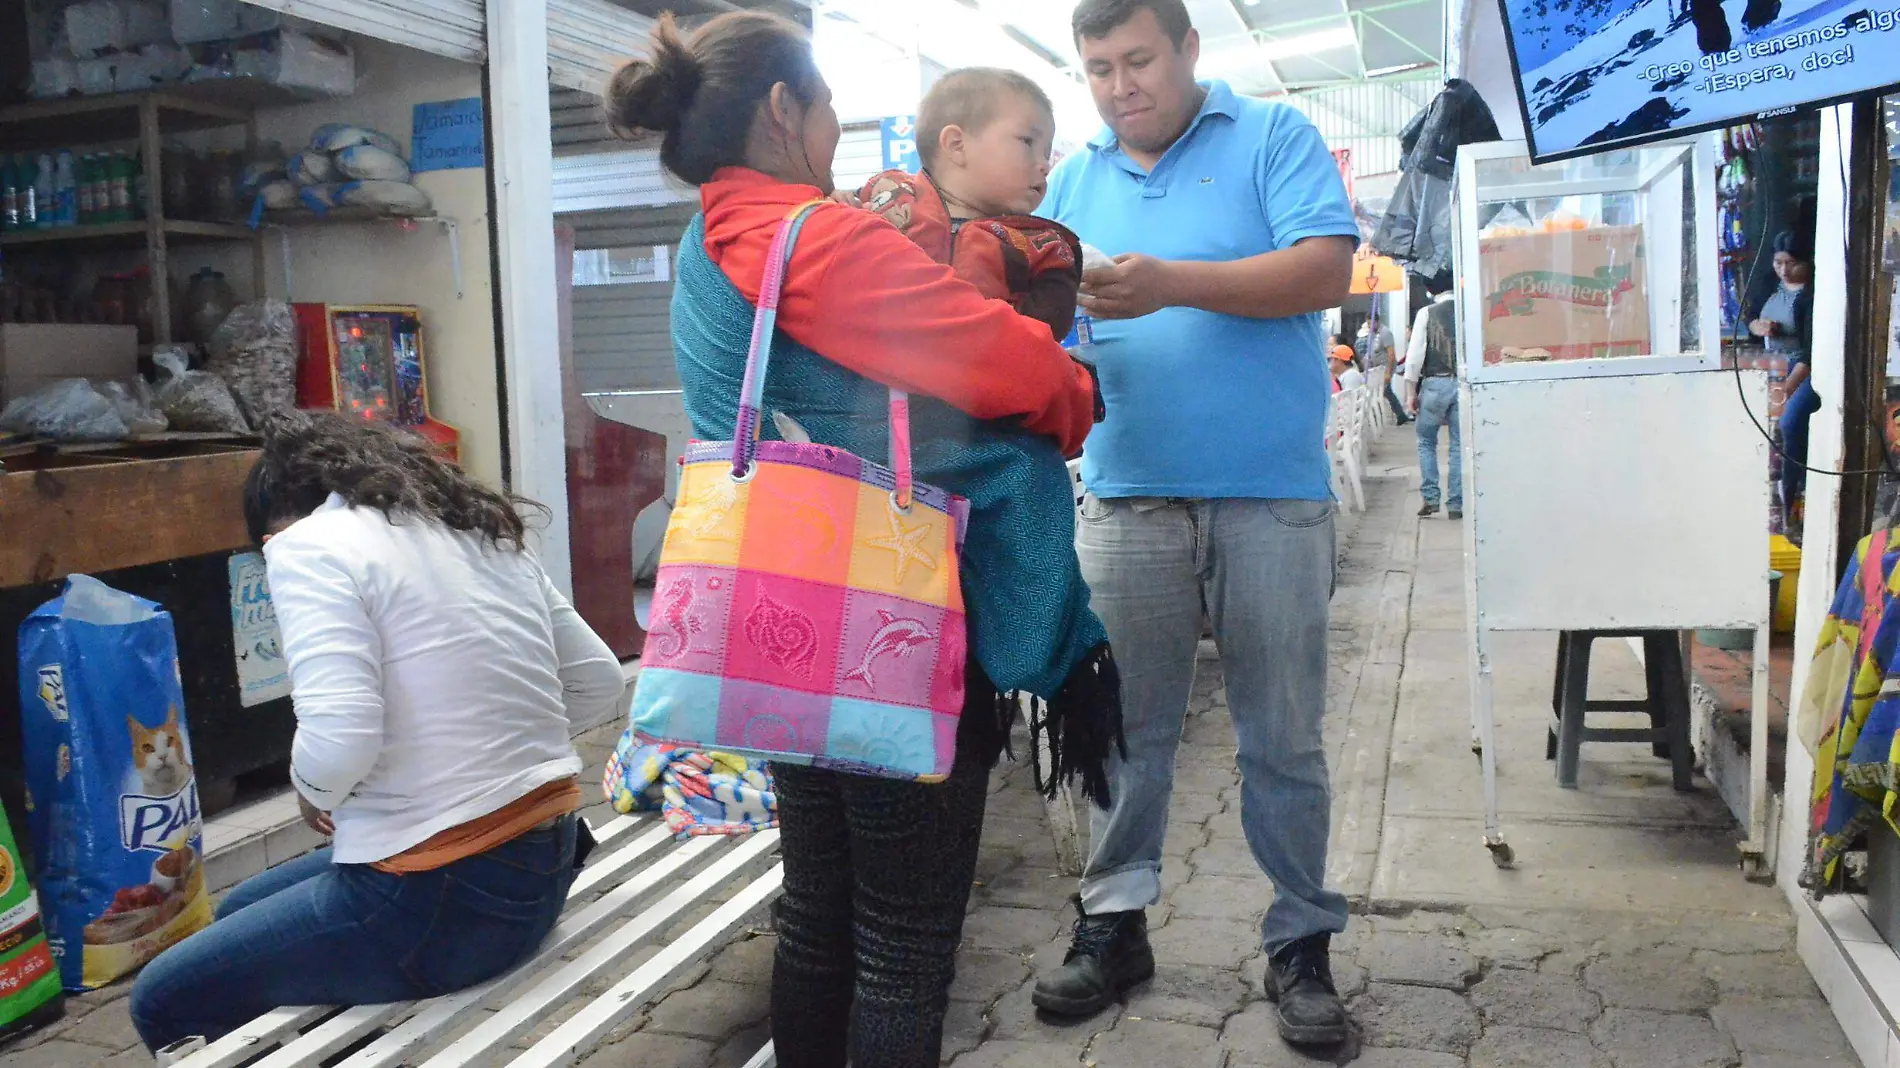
[{"x": 700, "y": 792}]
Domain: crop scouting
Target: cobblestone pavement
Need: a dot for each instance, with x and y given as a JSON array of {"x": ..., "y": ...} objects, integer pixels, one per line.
[{"x": 1485, "y": 974}]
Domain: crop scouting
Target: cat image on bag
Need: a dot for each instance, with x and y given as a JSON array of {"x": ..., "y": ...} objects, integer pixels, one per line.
[{"x": 159, "y": 754}]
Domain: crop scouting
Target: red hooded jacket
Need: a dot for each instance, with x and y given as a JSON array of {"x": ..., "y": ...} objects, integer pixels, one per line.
[{"x": 864, "y": 296}]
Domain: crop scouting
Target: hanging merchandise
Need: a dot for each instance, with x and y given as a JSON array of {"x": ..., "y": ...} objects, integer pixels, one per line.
[
  {"x": 1847, "y": 718},
  {"x": 1416, "y": 230}
]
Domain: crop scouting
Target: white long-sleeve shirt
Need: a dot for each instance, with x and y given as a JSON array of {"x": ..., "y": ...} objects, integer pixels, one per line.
[{"x": 434, "y": 676}]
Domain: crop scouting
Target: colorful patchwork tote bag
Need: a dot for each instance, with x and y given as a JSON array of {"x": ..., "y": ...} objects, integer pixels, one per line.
[{"x": 820, "y": 617}]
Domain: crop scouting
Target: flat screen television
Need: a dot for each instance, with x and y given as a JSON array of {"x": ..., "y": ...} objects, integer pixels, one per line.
[{"x": 1600, "y": 74}]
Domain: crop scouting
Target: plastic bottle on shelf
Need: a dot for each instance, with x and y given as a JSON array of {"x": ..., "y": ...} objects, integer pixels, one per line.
[
  {"x": 65, "y": 191},
  {"x": 119, "y": 181},
  {"x": 43, "y": 183},
  {"x": 208, "y": 300},
  {"x": 101, "y": 189},
  {"x": 26, "y": 196},
  {"x": 9, "y": 194},
  {"x": 88, "y": 207},
  {"x": 137, "y": 180}
]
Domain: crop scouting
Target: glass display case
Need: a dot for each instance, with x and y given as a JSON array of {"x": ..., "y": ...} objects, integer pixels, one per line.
[{"x": 1604, "y": 265}]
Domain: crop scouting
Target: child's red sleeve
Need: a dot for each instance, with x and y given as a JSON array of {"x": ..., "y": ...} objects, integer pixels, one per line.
[{"x": 885, "y": 309}]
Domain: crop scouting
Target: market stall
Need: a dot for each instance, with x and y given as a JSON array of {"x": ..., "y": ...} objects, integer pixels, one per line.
[
  {"x": 1808, "y": 156},
  {"x": 1590, "y": 375},
  {"x": 210, "y": 164}
]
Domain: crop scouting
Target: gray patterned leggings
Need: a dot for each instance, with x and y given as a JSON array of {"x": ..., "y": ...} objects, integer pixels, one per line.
[{"x": 877, "y": 878}]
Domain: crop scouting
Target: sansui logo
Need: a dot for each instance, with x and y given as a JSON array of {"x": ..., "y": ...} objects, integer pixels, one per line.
[
  {"x": 158, "y": 824},
  {"x": 53, "y": 691}
]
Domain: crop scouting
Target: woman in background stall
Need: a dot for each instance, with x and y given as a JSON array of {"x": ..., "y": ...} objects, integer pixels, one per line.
[{"x": 1784, "y": 324}]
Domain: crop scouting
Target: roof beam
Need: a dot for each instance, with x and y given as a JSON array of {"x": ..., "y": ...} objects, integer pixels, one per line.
[
  {"x": 1286, "y": 28},
  {"x": 1246, "y": 25},
  {"x": 1395, "y": 35}
]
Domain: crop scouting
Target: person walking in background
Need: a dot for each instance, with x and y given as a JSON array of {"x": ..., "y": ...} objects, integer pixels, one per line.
[
  {"x": 1431, "y": 366},
  {"x": 878, "y": 872},
  {"x": 1375, "y": 353},
  {"x": 1207, "y": 484}
]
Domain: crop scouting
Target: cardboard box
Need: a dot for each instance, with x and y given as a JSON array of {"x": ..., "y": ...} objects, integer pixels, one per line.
[
  {"x": 33, "y": 356},
  {"x": 1578, "y": 294}
]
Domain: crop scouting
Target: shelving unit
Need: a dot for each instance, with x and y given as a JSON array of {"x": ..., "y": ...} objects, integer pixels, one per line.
[
  {"x": 145, "y": 118},
  {"x": 108, "y": 237}
]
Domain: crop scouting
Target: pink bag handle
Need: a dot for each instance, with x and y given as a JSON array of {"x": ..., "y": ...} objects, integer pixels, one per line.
[{"x": 745, "y": 435}]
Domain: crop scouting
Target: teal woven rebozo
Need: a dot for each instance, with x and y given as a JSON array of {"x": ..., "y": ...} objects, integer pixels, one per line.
[{"x": 1028, "y": 608}]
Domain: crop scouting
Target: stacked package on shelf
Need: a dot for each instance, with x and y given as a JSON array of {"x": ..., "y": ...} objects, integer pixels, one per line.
[
  {"x": 345, "y": 165},
  {"x": 105, "y": 46}
]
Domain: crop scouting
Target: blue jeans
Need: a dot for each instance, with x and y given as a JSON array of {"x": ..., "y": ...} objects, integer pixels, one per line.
[
  {"x": 1795, "y": 414},
  {"x": 314, "y": 932},
  {"x": 1262, "y": 572},
  {"x": 1438, "y": 407}
]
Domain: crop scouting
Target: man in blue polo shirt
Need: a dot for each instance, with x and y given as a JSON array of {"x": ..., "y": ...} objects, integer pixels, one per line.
[{"x": 1208, "y": 487}]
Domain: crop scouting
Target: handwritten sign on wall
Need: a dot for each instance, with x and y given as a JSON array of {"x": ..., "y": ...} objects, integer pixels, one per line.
[{"x": 448, "y": 135}]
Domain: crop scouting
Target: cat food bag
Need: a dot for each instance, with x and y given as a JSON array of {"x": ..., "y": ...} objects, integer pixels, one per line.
[
  {"x": 29, "y": 980},
  {"x": 112, "y": 802}
]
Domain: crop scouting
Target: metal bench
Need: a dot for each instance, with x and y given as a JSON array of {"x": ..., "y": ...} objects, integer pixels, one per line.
[{"x": 638, "y": 884}]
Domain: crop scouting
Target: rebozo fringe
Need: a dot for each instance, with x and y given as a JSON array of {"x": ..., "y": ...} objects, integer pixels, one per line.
[{"x": 1079, "y": 728}]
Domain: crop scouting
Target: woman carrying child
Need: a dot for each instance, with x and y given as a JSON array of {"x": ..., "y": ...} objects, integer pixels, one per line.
[{"x": 878, "y": 872}]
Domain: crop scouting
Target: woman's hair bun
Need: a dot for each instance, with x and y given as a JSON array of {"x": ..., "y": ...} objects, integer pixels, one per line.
[{"x": 652, "y": 94}]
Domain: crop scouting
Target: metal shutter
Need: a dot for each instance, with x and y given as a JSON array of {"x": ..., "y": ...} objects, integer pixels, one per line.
[
  {"x": 457, "y": 29},
  {"x": 627, "y": 178},
  {"x": 589, "y": 39},
  {"x": 623, "y": 340},
  {"x": 577, "y": 123},
  {"x": 860, "y": 155}
]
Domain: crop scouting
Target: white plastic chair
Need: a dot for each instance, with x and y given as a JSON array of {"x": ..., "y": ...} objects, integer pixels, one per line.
[
  {"x": 1344, "y": 441},
  {"x": 1355, "y": 426}
]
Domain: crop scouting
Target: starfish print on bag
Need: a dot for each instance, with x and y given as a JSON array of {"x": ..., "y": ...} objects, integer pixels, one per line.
[
  {"x": 905, "y": 543},
  {"x": 705, "y": 512},
  {"x": 896, "y": 636},
  {"x": 783, "y": 635}
]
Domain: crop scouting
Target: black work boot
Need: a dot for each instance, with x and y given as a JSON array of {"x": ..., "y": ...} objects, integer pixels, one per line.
[
  {"x": 1300, "y": 981},
  {"x": 1109, "y": 954}
]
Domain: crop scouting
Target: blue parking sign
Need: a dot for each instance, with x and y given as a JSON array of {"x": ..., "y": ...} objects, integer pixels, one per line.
[{"x": 900, "y": 144}]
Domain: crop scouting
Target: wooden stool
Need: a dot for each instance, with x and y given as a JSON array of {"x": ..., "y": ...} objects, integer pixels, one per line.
[{"x": 1667, "y": 703}]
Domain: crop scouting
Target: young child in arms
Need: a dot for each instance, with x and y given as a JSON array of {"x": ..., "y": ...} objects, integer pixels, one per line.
[{"x": 984, "y": 136}]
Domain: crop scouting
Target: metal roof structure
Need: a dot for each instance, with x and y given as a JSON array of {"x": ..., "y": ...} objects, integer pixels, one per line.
[{"x": 1359, "y": 68}]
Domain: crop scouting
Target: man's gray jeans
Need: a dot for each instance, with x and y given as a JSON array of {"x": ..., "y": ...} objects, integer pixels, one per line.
[{"x": 1262, "y": 570}]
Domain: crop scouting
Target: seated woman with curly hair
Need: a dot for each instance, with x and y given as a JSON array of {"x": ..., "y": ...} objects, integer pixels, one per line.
[{"x": 435, "y": 672}]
